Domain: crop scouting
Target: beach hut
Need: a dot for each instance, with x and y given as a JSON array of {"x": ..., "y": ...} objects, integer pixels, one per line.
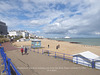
[
  {"x": 35, "y": 43},
  {"x": 86, "y": 58},
  {"x": 97, "y": 63}
]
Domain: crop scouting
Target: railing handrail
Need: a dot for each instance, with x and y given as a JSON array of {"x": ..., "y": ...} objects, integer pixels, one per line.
[
  {"x": 15, "y": 68},
  {"x": 65, "y": 54},
  {"x": 7, "y": 65}
]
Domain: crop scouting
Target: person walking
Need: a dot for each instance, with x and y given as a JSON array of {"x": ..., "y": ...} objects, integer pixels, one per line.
[
  {"x": 25, "y": 50},
  {"x": 22, "y": 50},
  {"x": 48, "y": 46},
  {"x": 57, "y": 47}
]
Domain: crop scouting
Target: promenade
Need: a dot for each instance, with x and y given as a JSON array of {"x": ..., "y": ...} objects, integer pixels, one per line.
[{"x": 38, "y": 64}]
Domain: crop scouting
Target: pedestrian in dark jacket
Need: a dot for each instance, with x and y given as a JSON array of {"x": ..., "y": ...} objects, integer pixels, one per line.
[{"x": 25, "y": 50}]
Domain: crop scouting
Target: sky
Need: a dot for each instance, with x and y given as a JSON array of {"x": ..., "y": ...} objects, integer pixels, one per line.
[{"x": 53, "y": 18}]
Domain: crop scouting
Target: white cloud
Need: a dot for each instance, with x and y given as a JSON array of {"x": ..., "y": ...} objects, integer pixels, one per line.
[
  {"x": 83, "y": 20},
  {"x": 84, "y": 23},
  {"x": 72, "y": 31},
  {"x": 40, "y": 22}
]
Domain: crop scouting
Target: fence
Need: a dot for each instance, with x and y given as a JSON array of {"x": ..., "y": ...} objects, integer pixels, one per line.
[
  {"x": 78, "y": 60},
  {"x": 55, "y": 54},
  {"x": 7, "y": 64}
]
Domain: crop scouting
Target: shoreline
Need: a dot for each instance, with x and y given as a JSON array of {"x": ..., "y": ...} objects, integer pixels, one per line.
[{"x": 79, "y": 43}]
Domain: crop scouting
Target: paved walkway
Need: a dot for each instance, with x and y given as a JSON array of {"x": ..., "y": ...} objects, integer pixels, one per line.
[
  {"x": 38, "y": 64},
  {"x": 8, "y": 46}
]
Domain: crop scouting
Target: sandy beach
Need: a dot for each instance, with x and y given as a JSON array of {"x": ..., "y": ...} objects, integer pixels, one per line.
[{"x": 65, "y": 47}]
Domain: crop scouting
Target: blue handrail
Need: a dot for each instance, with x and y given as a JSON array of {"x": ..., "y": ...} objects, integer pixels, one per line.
[
  {"x": 15, "y": 68},
  {"x": 7, "y": 63}
]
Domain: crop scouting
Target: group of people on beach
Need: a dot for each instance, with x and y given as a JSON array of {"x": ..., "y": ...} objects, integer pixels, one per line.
[
  {"x": 58, "y": 46},
  {"x": 24, "y": 50}
]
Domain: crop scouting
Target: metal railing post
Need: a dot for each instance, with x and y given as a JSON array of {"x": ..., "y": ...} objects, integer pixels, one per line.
[
  {"x": 76, "y": 60},
  {"x": 38, "y": 50},
  {"x": 48, "y": 52},
  {"x": 93, "y": 63},
  {"x": 64, "y": 56},
  {"x": 9, "y": 71},
  {"x": 2, "y": 55},
  {"x": 34, "y": 50},
  {"x": 5, "y": 64},
  {"x": 55, "y": 54}
]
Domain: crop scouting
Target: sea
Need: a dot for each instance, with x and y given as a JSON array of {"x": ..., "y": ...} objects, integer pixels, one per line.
[{"x": 83, "y": 41}]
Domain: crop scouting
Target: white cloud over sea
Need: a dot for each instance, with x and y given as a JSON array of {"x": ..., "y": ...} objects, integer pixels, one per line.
[{"x": 53, "y": 18}]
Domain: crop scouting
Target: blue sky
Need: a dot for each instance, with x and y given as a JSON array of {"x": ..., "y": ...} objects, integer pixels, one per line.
[{"x": 53, "y": 18}]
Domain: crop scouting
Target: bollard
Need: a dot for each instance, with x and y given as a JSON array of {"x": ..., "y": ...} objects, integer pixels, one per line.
[
  {"x": 9, "y": 71},
  {"x": 55, "y": 54},
  {"x": 64, "y": 56}
]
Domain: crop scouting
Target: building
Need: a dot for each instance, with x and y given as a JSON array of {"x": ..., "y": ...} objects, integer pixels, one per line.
[
  {"x": 87, "y": 58},
  {"x": 3, "y": 28},
  {"x": 31, "y": 35},
  {"x": 14, "y": 33},
  {"x": 41, "y": 37},
  {"x": 25, "y": 34},
  {"x": 19, "y": 33}
]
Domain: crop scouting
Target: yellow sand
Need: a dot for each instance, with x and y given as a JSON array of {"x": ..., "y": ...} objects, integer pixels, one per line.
[{"x": 65, "y": 47}]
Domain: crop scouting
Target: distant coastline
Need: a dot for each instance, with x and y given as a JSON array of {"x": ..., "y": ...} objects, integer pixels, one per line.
[{"x": 83, "y": 41}]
